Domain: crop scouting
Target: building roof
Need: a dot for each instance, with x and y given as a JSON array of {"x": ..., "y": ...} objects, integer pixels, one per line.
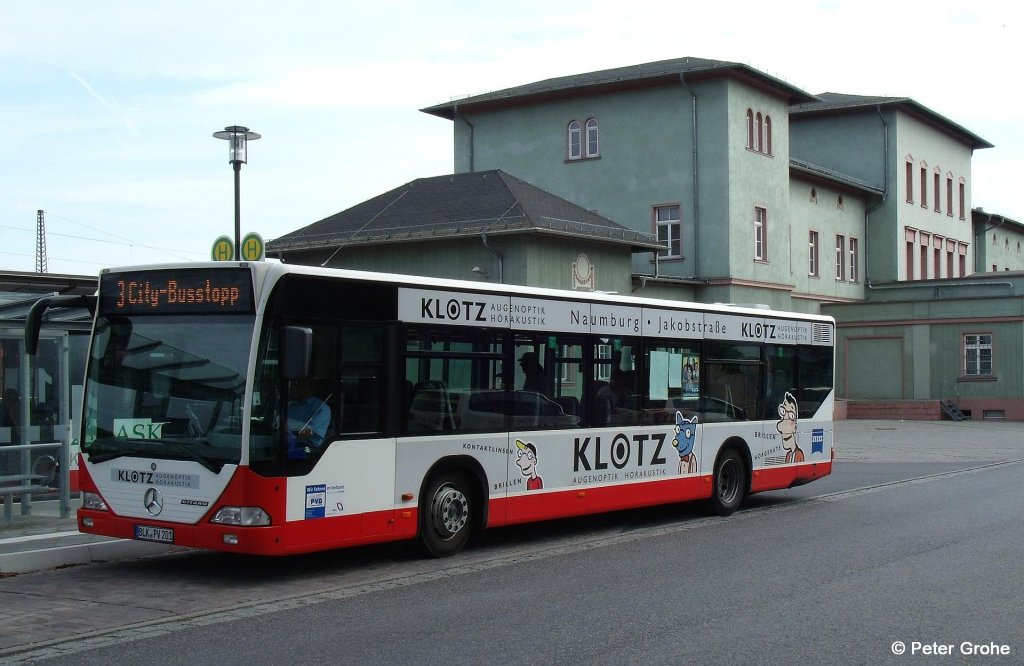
[
  {"x": 459, "y": 205},
  {"x": 817, "y": 173},
  {"x": 663, "y": 72},
  {"x": 830, "y": 103},
  {"x": 995, "y": 220},
  {"x": 19, "y": 291}
]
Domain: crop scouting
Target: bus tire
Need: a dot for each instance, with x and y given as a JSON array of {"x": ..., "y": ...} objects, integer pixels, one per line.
[
  {"x": 729, "y": 483},
  {"x": 446, "y": 515}
]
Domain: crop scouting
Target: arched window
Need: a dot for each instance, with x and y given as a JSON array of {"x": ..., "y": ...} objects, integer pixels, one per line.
[
  {"x": 593, "y": 147},
  {"x": 909, "y": 184},
  {"x": 750, "y": 129},
  {"x": 814, "y": 195},
  {"x": 768, "y": 135},
  {"x": 963, "y": 205},
  {"x": 759, "y": 137},
  {"x": 575, "y": 140},
  {"x": 924, "y": 184}
]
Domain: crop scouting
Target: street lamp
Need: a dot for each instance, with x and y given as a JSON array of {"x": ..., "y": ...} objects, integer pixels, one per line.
[{"x": 236, "y": 136}]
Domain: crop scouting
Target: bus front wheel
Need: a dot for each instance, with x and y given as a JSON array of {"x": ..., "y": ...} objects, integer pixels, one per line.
[
  {"x": 445, "y": 517},
  {"x": 729, "y": 483}
]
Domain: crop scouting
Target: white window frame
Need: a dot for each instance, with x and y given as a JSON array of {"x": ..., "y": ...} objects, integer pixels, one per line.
[
  {"x": 673, "y": 227},
  {"x": 812, "y": 254},
  {"x": 760, "y": 233},
  {"x": 603, "y": 352},
  {"x": 574, "y": 138},
  {"x": 593, "y": 138},
  {"x": 854, "y": 251},
  {"x": 975, "y": 346},
  {"x": 840, "y": 258}
]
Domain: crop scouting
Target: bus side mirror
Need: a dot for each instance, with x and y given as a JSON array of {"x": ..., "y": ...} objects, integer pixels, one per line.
[
  {"x": 34, "y": 319},
  {"x": 296, "y": 351}
]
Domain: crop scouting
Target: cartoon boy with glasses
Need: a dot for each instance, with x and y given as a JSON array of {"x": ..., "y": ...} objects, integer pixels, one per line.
[{"x": 526, "y": 459}]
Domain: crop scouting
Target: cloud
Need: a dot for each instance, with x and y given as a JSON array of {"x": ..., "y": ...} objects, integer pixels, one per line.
[{"x": 113, "y": 106}]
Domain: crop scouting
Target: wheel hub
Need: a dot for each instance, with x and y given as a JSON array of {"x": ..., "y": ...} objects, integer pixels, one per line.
[{"x": 450, "y": 511}]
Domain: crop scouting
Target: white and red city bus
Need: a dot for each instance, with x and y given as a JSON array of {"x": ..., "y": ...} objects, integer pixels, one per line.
[{"x": 443, "y": 406}]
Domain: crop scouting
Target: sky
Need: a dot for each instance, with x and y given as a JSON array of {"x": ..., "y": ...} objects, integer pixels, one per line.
[{"x": 107, "y": 109}]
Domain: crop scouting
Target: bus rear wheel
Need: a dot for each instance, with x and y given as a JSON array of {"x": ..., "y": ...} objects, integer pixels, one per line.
[
  {"x": 729, "y": 483},
  {"x": 446, "y": 517}
]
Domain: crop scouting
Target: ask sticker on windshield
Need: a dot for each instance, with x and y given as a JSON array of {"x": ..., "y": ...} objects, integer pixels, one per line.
[{"x": 139, "y": 428}]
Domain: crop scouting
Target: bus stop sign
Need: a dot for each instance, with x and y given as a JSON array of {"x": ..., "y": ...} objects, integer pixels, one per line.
[
  {"x": 223, "y": 249},
  {"x": 253, "y": 247}
]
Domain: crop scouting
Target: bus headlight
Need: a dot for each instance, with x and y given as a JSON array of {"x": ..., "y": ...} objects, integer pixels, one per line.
[
  {"x": 249, "y": 516},
  {"x": 94, "y": 502}
]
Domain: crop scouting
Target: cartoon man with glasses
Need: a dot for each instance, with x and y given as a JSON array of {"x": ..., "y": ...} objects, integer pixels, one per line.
[
  {"x": 787, "y": 428},
  {"x": 526, "y": 459}
]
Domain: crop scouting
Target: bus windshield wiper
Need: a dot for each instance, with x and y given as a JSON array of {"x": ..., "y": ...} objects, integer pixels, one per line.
[
  {"x": 109, "y": 455},
  {"x": 195, "y": 455}
]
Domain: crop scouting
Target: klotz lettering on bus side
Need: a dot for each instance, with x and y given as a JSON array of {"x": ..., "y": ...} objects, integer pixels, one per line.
[
  {"x": 454, "y": 310},
  {"x": 757, "y": 331},
  {"x": 618, "y": 452}
]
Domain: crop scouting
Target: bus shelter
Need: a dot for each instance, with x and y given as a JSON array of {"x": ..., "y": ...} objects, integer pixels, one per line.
[{"x": 38, "y": 394}]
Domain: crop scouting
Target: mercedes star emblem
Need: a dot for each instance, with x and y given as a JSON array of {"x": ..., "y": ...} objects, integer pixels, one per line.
[{"x": 153, "y": 500}]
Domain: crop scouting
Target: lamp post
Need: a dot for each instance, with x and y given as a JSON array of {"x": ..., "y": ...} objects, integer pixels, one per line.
[{"x": 236, "y": 136}]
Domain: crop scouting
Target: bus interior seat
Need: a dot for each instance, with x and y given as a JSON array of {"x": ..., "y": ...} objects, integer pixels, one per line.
[{"x": 570, "y": 404}]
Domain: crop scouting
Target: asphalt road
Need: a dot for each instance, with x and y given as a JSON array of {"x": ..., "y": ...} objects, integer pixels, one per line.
[{"x": 912, "y": 549}]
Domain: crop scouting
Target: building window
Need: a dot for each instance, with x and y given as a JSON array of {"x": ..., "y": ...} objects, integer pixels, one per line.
[
  {"x": 938, "y": 178},
  {"x": 854, "y": 261},
  {"x": 575, "y": 140},
  {"x": 580, "y": 146},
  {"x": 949, "y": 194},
  {"x": 962, "y": 249},
  {"x": 962, "y": 204},
  {"x": 839, "y": 202},
  {"x": 925, "y": 242},
  {"x": 910, "y": 238},
  {"x": 760, "y": 234},
  {"x": 937, "y": 260},
  {"x": 668, "y": 223},
  {"x": 840, "y": 257},
  {"x": 978, "y": 355},
  {"x": 759, "y": 132},
  {"x": 814, "y": 196},
  {"x": 812, "y": 254},
  {"x": 924, "y": 186},
  {"x": 910, "y": 179},
  {"x": 592, "y": 138}
]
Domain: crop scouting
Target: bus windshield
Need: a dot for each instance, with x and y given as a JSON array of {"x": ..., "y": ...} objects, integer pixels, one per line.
[{"x": 167, "y": 386}]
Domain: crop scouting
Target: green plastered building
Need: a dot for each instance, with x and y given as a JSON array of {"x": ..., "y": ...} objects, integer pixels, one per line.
[{"x": 726, "y": 184}]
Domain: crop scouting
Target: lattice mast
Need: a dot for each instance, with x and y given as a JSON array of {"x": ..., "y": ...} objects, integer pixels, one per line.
[{"x": 40, "y": 242}]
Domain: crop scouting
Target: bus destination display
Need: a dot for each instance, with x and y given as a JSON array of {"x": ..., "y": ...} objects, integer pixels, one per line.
[{"x": 183, "y": 291}]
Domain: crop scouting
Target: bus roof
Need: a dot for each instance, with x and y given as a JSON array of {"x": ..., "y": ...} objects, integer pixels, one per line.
[{"x": 274, "y": 270}]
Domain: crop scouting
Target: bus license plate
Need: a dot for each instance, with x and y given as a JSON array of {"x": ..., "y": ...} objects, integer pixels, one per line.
[{"x": 147, "y": 533}]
